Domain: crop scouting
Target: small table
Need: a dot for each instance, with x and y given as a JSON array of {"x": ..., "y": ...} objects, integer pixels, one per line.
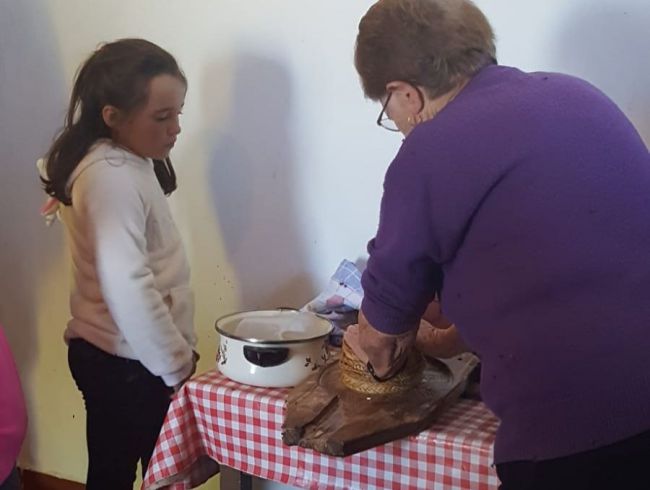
[{"x": 215, "y": 419}]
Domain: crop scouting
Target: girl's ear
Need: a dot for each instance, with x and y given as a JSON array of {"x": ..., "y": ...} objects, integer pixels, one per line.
[{"x": 111, "y": 116}]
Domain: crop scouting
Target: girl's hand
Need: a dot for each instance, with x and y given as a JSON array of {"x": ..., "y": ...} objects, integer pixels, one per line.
[{"x": 195, "y": 360}]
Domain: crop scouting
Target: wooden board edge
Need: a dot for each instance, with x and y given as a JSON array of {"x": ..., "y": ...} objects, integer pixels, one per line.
[{"x": 347, "y": 448}]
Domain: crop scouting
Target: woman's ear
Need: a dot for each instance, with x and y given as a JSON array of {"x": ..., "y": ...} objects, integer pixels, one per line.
[
  {"x": 406, "y": 92},
  {"x": 111, "y": 116}
]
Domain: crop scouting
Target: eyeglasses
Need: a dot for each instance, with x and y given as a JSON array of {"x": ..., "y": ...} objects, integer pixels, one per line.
[
  {"x": 386, "y": 122},
  {"x": 383, "y": 120}
]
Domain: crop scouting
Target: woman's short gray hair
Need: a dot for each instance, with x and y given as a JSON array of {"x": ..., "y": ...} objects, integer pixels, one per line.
[{"x": 432, "y": 43}]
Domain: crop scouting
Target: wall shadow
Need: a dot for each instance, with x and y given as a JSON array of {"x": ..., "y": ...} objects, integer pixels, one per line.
[
  {"x": 251, "y": 173},
  {"x": 32, "y": 102},
  {"x": 608, "y": 45}
]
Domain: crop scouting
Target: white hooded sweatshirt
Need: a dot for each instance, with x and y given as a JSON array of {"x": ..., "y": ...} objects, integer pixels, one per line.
[{"x": 131, "y": 294}]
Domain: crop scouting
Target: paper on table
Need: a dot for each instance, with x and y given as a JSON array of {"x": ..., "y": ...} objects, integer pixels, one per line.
[{"x": 340, "y": 302}]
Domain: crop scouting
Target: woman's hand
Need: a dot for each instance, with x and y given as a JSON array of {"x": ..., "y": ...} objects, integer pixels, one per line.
[
  {"x": 382, "y": 353},
  {"x": 437, "y": 336},
  {"x": 351, "y": 338},
  {"x": 442, "y": 342},
  {"x": 433, "y": 315}
]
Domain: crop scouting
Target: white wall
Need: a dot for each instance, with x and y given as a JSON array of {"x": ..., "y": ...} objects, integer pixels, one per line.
[
  {"x": 280, "y": 162},
  {"x": 603, "y": 41}
]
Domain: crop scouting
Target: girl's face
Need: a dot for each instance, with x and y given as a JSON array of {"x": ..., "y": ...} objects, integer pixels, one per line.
[{"x": 151, "y": 130}]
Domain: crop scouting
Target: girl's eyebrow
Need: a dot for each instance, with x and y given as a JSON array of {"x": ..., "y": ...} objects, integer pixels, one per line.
[{"x": 165, "y": 109}]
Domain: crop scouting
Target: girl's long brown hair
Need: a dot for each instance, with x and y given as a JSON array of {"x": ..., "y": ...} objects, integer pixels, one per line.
[{"x": 117, "y": 74}]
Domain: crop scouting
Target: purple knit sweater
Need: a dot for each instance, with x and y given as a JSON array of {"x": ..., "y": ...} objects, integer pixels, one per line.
[{"x": 530, "y": 195}]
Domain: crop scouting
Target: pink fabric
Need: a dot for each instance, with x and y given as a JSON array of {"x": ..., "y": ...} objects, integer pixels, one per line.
[{"x": 13, "y": 415}]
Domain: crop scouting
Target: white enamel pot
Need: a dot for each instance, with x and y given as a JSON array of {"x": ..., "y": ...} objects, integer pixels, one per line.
[{"x": 272, "y": 348}]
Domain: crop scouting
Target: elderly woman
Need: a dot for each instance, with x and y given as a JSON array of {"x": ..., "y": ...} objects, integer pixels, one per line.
[{"x": 523, "y": 201}]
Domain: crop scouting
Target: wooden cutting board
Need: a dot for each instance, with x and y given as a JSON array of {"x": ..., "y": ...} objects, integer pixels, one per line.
[{"x": 324, "y": 415}]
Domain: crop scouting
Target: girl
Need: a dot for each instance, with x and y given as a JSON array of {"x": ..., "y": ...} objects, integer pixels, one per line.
[{"x": 131, "y": 334}]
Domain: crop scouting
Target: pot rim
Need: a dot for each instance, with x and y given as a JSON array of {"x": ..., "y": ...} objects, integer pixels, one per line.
[{"x": 272, "y": 342}]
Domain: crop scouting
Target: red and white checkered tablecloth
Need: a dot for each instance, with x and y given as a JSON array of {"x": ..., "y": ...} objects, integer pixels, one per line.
[{"x": 240, "y": 426}]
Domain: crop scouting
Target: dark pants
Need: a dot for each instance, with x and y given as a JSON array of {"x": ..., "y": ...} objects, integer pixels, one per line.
[
  {"x": 125, "y": 406},
  {"x": 621, "y": 466},
  {"x": 12, "y": 482}
]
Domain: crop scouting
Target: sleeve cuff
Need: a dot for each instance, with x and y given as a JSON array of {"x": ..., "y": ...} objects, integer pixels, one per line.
[
  {"x": 386, "y": 319},
  {"x": 179, "y": 376}
]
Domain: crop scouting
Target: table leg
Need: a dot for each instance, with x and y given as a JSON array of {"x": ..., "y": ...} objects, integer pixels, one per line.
[
  {"x": 232, "y": 479},
  {"x": 245, "y": 481}
]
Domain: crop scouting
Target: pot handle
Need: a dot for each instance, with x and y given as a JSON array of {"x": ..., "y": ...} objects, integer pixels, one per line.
[{"x": 266, "y": 356}]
